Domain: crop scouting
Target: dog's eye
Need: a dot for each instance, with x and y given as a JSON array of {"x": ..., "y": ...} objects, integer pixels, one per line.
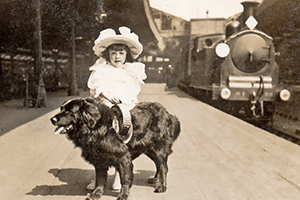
[{"x": 71, "y": 112}]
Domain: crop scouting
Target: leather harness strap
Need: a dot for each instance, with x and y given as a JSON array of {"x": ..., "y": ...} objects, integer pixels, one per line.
[{"x": 122, "y": 123}]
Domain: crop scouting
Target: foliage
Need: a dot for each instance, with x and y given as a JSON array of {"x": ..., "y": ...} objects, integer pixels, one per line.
[{"x": 18, "y": 20}]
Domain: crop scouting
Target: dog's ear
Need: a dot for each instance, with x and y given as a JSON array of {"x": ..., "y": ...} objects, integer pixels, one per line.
[
  {"x": 73, "y": 105},
  {"x": 91, "y": 114}
]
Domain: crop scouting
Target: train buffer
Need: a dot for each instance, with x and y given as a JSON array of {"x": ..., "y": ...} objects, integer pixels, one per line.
[{"x": 216, "y": 157}]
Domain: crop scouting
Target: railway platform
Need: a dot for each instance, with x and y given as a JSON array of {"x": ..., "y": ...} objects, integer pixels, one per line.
[{"x": 216, "y": 157}]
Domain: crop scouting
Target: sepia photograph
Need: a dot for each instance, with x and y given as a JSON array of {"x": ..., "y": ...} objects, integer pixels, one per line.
[{"x": 149, "y": 99}]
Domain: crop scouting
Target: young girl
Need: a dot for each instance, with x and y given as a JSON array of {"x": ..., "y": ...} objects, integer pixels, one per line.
[{"x": 115, "y": 78}]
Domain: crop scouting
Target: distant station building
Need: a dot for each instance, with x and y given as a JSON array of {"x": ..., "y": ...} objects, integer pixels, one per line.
[
  {"x": 204, "y": 26},
  {"x": 169, "y": 25},
  {"x": 172, "y": 33}
]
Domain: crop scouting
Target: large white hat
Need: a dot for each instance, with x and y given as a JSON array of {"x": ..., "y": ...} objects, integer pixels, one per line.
[{"x": 108, "y": 37}]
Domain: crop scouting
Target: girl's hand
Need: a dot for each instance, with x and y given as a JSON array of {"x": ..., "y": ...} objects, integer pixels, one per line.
[
  {"x": 110, "y": 98},
  {"x": 92, "y": 92}
]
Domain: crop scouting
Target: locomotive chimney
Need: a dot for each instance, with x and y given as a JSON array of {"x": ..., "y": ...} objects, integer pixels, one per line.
[{"x": 249, "y": 10}]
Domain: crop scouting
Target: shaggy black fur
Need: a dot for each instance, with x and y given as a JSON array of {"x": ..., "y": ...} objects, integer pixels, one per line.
[{"x": 88, "y": 124}]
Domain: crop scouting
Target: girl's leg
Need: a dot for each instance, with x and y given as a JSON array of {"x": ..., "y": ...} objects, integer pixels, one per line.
[
  {"x": 126, "y": 129},
  {"x": 117, "y": 182}
]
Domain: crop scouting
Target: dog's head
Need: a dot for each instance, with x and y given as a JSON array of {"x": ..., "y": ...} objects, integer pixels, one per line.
[{"x": 75, "y": 113}]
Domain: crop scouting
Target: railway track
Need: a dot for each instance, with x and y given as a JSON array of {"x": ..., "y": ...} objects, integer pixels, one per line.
[
  {"x": 285, "y": 122},
  {"x": 286, "y": 118}
]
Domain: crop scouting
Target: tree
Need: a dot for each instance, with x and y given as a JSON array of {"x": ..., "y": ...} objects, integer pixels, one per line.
[
  {"x": 41, "y": 92},
  {"x": 59, "y": 22}
]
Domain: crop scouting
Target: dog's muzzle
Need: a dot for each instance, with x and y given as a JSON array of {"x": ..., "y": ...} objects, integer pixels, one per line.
[
  {"x": 60, "y": 129},
  {"x": 54, "y": 121}
]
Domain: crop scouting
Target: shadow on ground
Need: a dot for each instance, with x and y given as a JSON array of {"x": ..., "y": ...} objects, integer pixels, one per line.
[{"x": 75, "y": 181}]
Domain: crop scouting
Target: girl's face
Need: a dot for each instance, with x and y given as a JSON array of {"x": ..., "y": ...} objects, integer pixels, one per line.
[{"x": 117, "y": 55}]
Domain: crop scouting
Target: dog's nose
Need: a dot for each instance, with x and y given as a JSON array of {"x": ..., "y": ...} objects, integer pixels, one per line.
[{"x": 53, "y": 120}]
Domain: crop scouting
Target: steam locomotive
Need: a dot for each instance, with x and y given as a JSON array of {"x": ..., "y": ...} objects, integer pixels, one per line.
[{"x": 237, "y": 68}]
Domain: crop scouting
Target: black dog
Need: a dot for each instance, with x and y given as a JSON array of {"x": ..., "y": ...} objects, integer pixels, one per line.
[{"x": 88, "y": 124}]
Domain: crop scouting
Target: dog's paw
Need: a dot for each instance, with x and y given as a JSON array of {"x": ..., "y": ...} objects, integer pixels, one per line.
[
  {"x": 93, "y": 197},
  {"x": 124, "y": 194},
  {"x": 123, "y": 197},
  {"x": 160, "y": 189}
]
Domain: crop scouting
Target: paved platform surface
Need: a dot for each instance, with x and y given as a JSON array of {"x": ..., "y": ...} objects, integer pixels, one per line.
[{"x": 216, "y": 157}]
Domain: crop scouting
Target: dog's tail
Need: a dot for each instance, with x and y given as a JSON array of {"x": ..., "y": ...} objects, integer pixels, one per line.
[{"x": 176, "y": 128}]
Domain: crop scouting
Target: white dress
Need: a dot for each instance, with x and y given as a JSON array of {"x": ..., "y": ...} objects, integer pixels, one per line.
[{"x": 122, "y": 83}]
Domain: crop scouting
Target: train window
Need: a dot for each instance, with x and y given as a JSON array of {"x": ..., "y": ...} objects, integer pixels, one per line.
[
  {"x": 198, "y": 44},
  {"x": 166, "y": 23},
  {"x": 208, "y": 42},
  {"x": 159, "y": 59},
  {"x": 149, "y": 59}
]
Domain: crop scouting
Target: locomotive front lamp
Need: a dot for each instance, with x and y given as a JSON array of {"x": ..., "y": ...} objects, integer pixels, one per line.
[
  {"x": 222, "y": 50},
  {"x": 285, "y": 95},
  {"x": 225, "y": 93}
]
